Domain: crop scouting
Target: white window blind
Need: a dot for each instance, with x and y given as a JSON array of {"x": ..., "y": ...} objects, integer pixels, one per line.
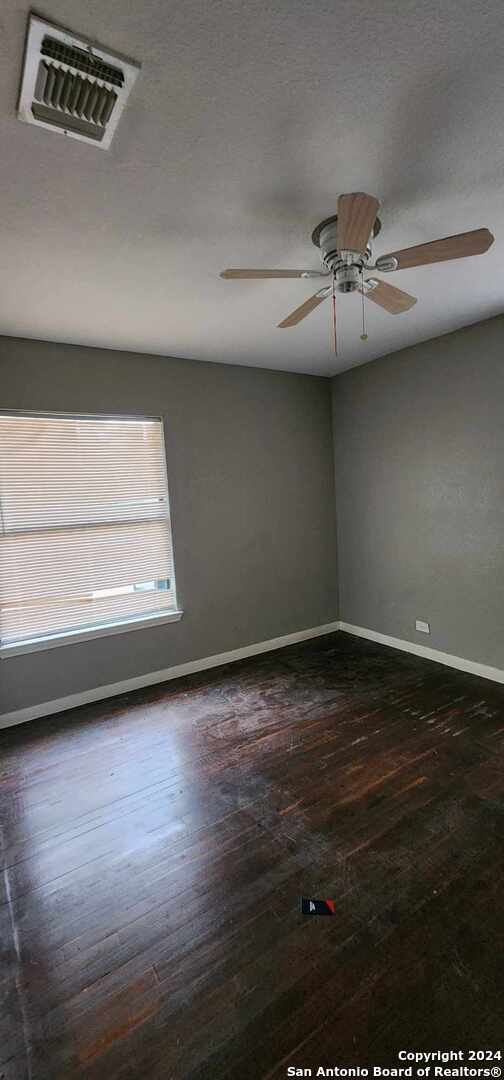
[{"x": 85, "y": 535}]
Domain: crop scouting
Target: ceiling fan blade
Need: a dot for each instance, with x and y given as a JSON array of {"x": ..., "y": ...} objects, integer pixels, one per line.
[
  {"x": 356, "y": 217},
  {"x": 249, "y": 274},
  {"x": 387, "y": 296},
  {"x": 301, "y": 312},
  {"x": 451, "y": 247}
]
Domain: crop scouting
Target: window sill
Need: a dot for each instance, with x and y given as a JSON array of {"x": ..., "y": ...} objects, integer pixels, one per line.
[{"x": 74, "y": 637}]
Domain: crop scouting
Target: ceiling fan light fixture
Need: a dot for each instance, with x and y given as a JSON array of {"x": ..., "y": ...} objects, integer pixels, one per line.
[{"x": 347, "y": 278}]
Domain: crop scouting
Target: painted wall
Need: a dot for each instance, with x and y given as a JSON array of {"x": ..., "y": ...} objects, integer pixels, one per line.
[
  {"x": 250, "y": 470},
  {"x": 419, "y": 451}
]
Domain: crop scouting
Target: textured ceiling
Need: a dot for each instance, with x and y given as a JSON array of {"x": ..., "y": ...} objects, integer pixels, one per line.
[{"x": 246, "y": 122}]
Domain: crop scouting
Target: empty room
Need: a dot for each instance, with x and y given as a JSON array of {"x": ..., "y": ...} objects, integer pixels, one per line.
[{"x": 251, "y": 540}]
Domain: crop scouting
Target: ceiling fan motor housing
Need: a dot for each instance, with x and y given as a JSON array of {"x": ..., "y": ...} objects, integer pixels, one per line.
[
  {"x": 328, "y": 243},
  {"x": 347, "y": 266}
]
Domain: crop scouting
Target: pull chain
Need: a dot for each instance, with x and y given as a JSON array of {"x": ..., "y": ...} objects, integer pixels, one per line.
[
  {"x": 334, "y": 317},
  {"x": 363, "y": 336}
]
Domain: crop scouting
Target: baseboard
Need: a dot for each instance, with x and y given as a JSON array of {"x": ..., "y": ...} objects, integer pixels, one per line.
[
  {"x": 472, "y": 667},
  {"x": 99, "y": 693}
]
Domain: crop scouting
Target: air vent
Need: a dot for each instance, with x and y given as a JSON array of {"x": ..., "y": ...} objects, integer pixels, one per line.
[{"x": 71, "y": 86}]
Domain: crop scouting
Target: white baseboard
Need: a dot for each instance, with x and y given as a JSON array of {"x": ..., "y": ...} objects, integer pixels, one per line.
[
  {"x": 458, "y": 662},
  {"x": 99, "y": 693}
]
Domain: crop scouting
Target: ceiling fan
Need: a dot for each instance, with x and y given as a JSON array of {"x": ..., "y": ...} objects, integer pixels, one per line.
[{"x": 345, "y": 243}]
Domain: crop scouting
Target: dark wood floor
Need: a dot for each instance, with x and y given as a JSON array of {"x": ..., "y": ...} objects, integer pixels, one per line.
[{"x": 155, "y": 847}]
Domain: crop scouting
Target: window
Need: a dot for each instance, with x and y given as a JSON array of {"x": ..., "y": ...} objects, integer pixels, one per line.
[{"x": 85, "y": 534}]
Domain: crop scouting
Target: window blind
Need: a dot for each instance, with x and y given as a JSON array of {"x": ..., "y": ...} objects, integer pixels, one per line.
[{"x": 85, "y": 534}]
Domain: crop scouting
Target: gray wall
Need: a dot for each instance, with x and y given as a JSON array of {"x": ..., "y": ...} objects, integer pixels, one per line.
[
  {"x": 251, "y": 480},
  {"x": 419, "y": 452}
]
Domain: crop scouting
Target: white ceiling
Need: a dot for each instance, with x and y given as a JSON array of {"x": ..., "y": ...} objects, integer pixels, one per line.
[{"x": 249, "y": 117}]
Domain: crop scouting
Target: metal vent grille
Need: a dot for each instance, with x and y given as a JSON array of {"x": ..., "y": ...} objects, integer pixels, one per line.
[
  {"x": 71, "y": 101},
  {"x": 72, "y": 86},
  {"x": 81, "y": 61}
]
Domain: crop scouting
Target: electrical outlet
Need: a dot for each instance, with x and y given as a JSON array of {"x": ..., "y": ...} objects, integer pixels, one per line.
[{"x": 423, "y": 627}]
